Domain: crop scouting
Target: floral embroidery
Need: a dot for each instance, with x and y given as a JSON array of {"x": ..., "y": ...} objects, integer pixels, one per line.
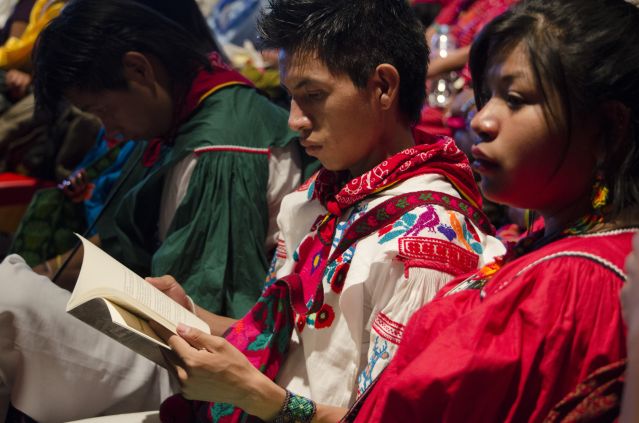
[
  {"x": 338, "y": 265},
  {"x": 324, "y": 317},
  {"x": 380, "y": 352},
  {"x": 300, "y": 323},
  {"x": 219, "y": 410},
  {"x": 339, "y": 277}
]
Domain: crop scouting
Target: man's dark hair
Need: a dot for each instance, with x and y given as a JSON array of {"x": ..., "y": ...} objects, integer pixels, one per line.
[
  {"x": 353, "y": 37},
  {"x": 188, "y": 15},
  {"x": 583, "y": 53},
  {"x": 83, "y": 48}
]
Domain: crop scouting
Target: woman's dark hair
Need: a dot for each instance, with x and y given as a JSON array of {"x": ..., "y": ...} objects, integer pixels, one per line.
[
  {"x": 188, "y": 15},
  {"x": 353, "y": 37},
  {"x": 585, "y": 54},
  {"x": 83, "y": 48}
]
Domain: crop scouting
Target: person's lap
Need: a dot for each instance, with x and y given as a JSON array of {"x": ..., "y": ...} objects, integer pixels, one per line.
[{"x": 56, "y": 368}]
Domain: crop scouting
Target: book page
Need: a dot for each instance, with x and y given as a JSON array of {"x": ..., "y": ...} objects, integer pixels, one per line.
[
  {"x": 103, "y": 276},
  {"x": 134, "y": 323},
  {"x": 122, "y": 326}
]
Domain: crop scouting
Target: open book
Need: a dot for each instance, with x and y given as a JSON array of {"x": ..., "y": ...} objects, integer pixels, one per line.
[{"x": 119, "y": 303}]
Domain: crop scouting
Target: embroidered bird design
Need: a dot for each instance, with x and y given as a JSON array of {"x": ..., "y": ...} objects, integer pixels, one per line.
[{"x": 427, "y": 220}]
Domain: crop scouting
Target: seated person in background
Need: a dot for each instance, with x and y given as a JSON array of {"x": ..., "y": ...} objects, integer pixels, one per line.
[
  {"x": 6, "y": 9},
  {"x": 18, "y": 41},
  {"x": 15, "y": 53},
  {"x": 33, "y": 143},
  {"x": 198, "y": 200},
  {"x": 510, "y": 341},
  {"x": 37, "y": 246},
  {"x": 460, "y": 21},
  {"x": 16, "y": 19},
  {"x": 206, "y": 188},
  {"x": 16, "y": 82},
  {"x": 364, "y": 243}
]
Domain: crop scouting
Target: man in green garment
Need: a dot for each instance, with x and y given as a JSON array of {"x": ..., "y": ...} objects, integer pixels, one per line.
[{"x": 199, "y": 200}]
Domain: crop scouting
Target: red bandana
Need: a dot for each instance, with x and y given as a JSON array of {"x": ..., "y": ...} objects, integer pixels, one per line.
[{"x": 432, "y": 154}]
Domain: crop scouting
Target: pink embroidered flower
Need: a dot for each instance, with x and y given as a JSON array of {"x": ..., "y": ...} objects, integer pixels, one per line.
[{"x": 324, "y": 317}]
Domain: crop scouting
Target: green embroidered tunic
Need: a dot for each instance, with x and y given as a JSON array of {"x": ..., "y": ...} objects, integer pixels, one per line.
[{"x": 215, "y": 243}]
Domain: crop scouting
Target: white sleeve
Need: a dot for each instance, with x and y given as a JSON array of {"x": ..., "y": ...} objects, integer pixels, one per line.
[
  {"x": 284, "y": 176},
  {"x": 175, "y": 188}
]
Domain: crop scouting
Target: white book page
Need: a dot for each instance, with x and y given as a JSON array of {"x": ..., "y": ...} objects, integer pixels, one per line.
[{"x": 103, "y": 276}]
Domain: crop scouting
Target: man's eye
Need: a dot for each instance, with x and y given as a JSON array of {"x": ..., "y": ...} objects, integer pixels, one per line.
[{"x": 315, "y": 95}]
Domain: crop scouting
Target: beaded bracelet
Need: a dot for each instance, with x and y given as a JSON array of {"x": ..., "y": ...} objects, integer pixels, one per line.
[{"x": 296, "y": 409}]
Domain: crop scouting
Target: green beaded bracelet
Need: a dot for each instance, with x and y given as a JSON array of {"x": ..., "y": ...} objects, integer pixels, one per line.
[{"x": 296, "y": 409}]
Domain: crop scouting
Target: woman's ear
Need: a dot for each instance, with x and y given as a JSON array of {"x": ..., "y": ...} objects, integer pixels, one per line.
[
  {"x": 386, "y": 85},
  {"x": 615, "y": 124},
  {"x": 616, "y": 117},
  {"x": 136, "y": 67}
]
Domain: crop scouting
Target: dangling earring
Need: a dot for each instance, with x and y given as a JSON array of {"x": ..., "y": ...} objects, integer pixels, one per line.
[
  {"x": 599, "y": 193},
  {"x": 529, "y": 217}
]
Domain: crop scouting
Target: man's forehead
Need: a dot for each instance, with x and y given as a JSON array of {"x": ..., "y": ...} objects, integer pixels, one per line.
[{"x": 302, "y": 66}]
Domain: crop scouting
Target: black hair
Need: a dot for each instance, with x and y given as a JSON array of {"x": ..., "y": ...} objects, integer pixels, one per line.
[
  {"x": 353, "y": 37},
  {"x": 83, "y": 48},
  {"x": 583, "y": 53},
  {"x": 188, "y": 15},
  {"x": 427, "y": 12}
]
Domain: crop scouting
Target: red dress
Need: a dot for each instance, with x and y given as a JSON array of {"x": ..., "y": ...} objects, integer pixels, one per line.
[{"x": 512, "y": 349}]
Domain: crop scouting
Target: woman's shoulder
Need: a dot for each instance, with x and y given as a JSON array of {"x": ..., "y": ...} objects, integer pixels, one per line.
[
  {"x": 581, "y": 261},
  {"x": 608, "y": 248}
]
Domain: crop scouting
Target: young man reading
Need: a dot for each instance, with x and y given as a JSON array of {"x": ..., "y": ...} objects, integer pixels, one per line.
[{"x": 364, "y": 243}]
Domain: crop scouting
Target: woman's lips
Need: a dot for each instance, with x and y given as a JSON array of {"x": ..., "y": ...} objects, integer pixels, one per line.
[{"x": 482, "y": 164}]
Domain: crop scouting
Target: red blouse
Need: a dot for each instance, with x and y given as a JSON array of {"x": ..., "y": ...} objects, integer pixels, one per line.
[{"x": 513, "y": 349}]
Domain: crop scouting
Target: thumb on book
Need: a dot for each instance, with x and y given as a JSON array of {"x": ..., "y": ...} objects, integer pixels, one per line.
[{"x": 195, "y": 337}]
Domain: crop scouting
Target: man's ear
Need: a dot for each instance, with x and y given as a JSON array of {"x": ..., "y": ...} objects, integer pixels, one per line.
[
  {"x": 137, "y": 68},
  {"x": 385, "y": 81}
]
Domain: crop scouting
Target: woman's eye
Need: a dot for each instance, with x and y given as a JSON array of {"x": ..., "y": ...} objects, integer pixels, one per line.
[{"x": 514, "y": 101}]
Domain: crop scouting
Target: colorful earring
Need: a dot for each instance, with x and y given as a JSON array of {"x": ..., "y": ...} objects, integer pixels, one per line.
[{"x": 599, "y": 193}]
